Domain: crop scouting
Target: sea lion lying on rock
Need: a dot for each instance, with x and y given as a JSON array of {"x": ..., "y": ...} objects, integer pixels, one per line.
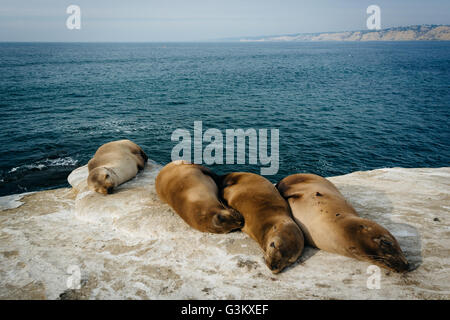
[
  {"x": 113, "y": 164},
  {"x": 267, "y": 217},
  {"x": 330, "y": 223},
  {"x": 192, "y": 192}
]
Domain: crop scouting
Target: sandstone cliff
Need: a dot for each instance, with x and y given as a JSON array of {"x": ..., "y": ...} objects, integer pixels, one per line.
[{"x": 411, "y": 33}]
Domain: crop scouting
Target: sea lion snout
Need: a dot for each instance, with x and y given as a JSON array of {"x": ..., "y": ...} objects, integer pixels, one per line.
[
  {"x": 284, "y": 247},
  {"x": 403, "y": 265},
  {"x": 393, "y": 256},
  {"x": 274, "y": 267},
  {"x": 396, "y": 262},
  {"x": 376, "y": 245},
  {"x": 273, "y": 259}
]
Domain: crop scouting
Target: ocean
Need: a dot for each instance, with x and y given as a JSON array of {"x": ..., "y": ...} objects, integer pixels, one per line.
[{"x": 339, "y": 107}]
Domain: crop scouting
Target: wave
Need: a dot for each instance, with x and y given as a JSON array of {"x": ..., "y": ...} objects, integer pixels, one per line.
[
  {"x": 36, "y": 176},
  {"x": 43, "y": 164}
]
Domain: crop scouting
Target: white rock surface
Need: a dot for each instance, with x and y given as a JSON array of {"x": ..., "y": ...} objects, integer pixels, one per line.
[
  {"x": 12, "y": 201},
  {"x": 129, "y": 245}
]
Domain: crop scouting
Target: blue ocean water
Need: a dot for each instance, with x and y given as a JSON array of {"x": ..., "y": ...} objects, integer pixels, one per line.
[{"x": 340, "y": 107}]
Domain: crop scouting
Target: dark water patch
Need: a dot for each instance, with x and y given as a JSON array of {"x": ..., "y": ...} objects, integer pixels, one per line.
[{"x": 47, "y": 173}]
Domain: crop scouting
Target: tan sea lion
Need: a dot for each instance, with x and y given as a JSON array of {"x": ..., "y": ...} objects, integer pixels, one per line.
[
  {"x": 330, "y": 223},
  {"x": 192, "y": 192},
  {"x": 267, "y": 217},
  {"x": 113, "y": 164}
]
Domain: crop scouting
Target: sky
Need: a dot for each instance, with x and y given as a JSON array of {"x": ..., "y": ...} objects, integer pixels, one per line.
[{"x": 203, "y": 20}]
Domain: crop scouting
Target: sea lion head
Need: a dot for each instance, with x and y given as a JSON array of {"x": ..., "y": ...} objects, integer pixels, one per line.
[
  {"x": 284, "y": 246},
  {"x": 371, "y": 242},
  {"x": 226, "y": 220},
  {"x": 100, "y": 180}
]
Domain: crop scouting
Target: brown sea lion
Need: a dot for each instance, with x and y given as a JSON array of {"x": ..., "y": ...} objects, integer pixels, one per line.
[
  {"x": 113, "y": 164},
  {"x": 330, "y": 223},
  {"x": 192, "y": 192},
  {"x": 267, "y": 217}
]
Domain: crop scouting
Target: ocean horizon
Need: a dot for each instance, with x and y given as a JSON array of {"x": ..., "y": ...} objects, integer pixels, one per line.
[{"x": 339, "y": 107}]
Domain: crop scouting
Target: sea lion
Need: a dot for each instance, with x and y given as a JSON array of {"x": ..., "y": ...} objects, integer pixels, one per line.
[
  {"x": 267, "y": 217},
  {"x": 192, "y": 192},
  {"x": 113, "y": 164},
  {"x": 330, "y": 223}
]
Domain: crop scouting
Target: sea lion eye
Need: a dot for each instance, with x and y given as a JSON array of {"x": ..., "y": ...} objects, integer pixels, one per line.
[
  {"x": 220, "y": 217},
  {"x": 107, "y": 176},
  {"x": 272, "y": 244},
  {"x": 383, "y": 242}
]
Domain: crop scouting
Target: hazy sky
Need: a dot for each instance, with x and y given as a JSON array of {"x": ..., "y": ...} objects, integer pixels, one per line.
[{"x": 196, "y": 20}]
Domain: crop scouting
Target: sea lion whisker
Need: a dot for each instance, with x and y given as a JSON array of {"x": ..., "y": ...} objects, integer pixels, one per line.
[{"x": 374, "y": 256}]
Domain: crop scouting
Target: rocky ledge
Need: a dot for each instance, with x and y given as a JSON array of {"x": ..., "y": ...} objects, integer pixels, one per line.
[{"x": 75, "y": 244}]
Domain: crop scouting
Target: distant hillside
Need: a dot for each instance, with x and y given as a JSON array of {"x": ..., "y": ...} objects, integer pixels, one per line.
[{"x": 419, "y": 32}]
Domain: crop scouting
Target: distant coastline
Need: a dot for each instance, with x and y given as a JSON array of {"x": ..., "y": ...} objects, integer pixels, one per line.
[{"x": 409, "y": 33}]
